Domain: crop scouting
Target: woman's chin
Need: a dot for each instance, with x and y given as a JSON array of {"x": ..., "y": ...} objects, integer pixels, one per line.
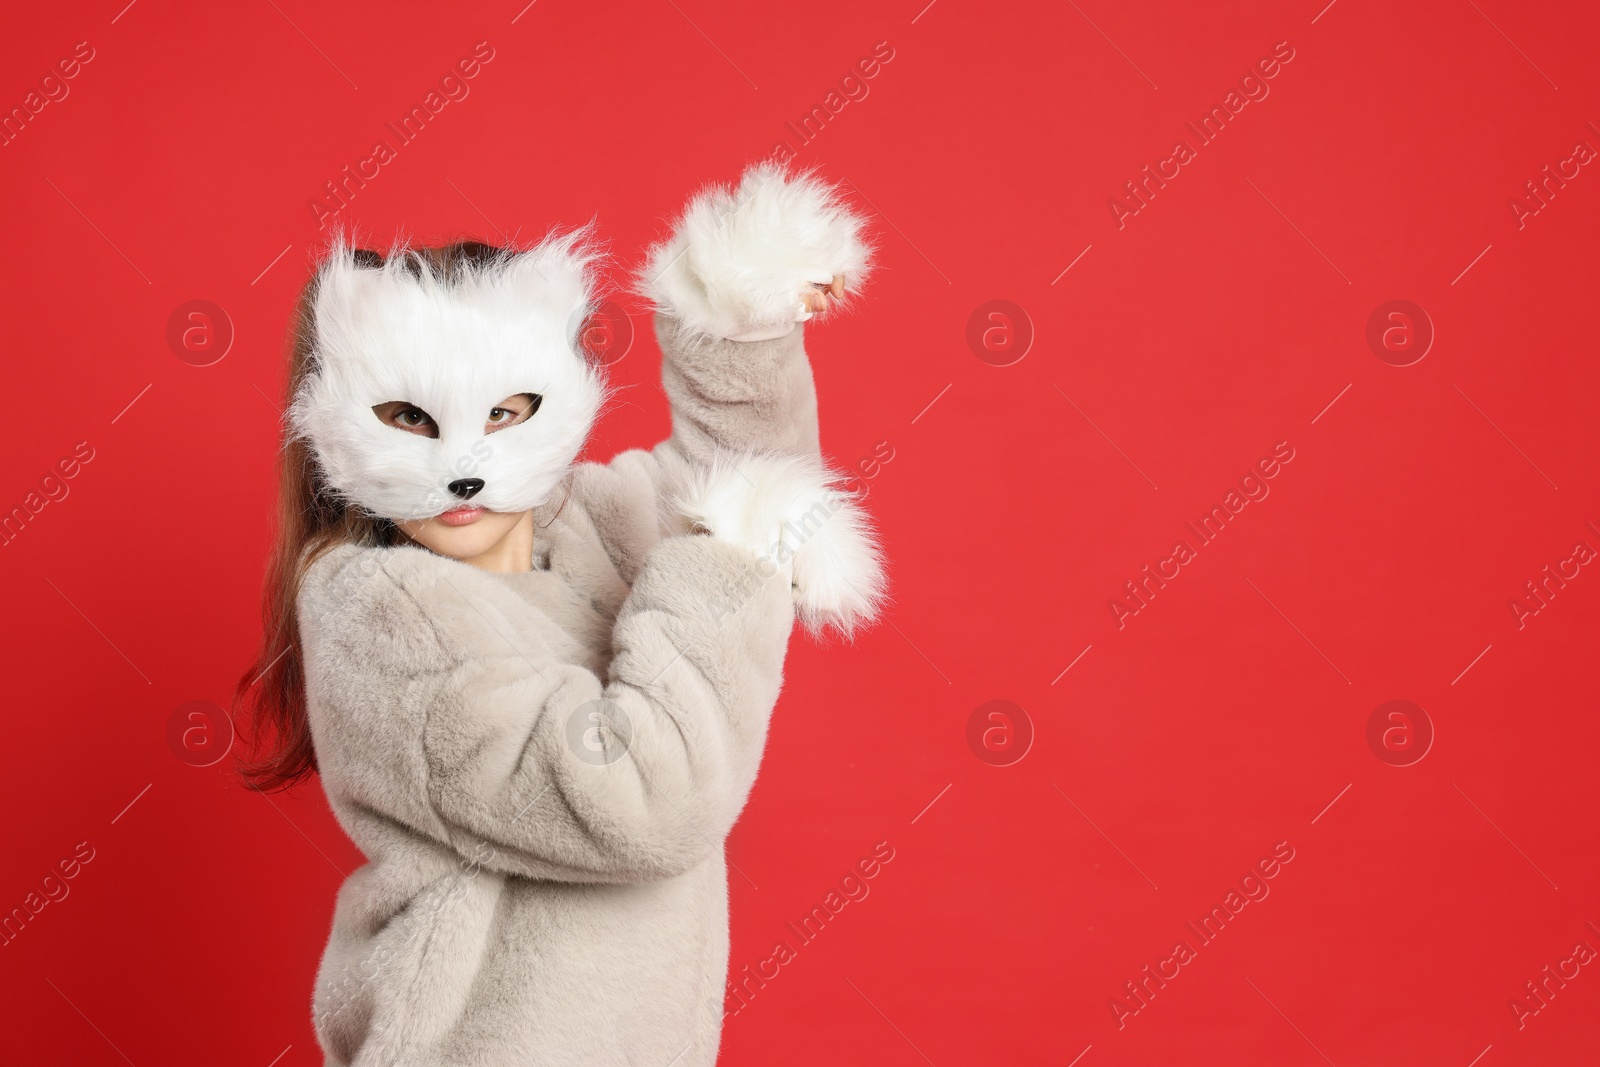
[{"x": 456, "y": 543}]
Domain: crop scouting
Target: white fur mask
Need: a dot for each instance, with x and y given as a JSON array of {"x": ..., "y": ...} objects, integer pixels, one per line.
[{"x": 454, "y": 346}]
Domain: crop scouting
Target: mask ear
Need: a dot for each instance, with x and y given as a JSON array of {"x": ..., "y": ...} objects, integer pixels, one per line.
[
  {"x": 557, "y": 277},
  {"x": 346, "y": 277}
]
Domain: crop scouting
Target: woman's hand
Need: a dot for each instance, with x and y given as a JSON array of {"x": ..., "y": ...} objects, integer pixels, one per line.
[{"x": 815, "y": 298}]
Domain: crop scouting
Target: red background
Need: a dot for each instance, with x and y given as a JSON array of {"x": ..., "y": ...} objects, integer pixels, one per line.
[{"x": 1223, "y": 318}]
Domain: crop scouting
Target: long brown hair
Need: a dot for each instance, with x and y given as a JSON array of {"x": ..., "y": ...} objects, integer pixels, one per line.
[{"x": 269, "y": 702}]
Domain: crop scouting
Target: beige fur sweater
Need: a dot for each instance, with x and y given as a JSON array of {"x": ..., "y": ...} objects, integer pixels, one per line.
[{"x": 541, "y": 768}]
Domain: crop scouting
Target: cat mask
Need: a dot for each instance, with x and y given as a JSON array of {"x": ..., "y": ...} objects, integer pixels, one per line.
[{"x": 453, "y": 333}]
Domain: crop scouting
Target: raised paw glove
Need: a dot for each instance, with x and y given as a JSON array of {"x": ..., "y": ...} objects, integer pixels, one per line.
[{"x": 738, "y": 261}]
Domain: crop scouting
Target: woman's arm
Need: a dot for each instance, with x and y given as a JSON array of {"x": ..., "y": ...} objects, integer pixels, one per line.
[
  {"x": 742, "y": 272},
  {"x": 439, "y": 702},
  {"x": 743, "y": 269}
]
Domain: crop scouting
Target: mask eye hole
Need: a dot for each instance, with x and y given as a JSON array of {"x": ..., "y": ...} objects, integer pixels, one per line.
[
  {"x": 404, "y": 415},
  {"x": 512, "y": 410}
]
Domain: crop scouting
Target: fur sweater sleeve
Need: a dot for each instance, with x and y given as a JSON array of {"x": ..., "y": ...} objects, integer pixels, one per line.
[
  {"x": 444, "y": 701},
  {"x": 735, "y": 396}
]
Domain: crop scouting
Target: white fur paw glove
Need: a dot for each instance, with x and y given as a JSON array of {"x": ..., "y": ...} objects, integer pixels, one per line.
[
  {"x": 741, "y": 264},
  {"x": 803, "y": 528}
]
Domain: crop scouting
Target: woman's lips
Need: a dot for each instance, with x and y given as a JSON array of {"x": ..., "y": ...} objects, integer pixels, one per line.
[{"x": 462, "y": 516}]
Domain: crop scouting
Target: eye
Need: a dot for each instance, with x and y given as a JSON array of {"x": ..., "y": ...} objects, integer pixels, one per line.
[
  {"x": 512, "y": 410},
  {"x": 406, "y": 416}
]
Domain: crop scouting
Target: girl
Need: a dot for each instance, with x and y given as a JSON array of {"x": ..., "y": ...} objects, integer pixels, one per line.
[{"x": 537, "y": 692}]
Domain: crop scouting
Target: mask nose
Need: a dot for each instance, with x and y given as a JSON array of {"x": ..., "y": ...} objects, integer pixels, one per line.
[{"x": 466, "y": 488}]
